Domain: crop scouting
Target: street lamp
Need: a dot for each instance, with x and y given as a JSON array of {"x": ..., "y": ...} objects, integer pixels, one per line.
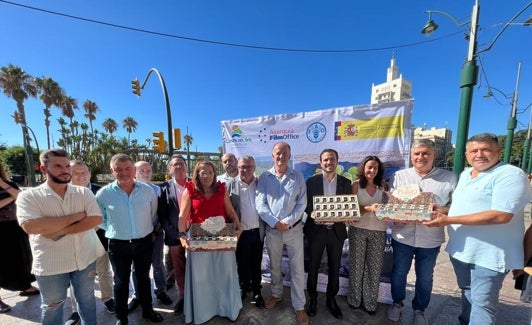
[
  {"x": 469, "y": 74},
  {"x": 137, "y": 91},
  {"x": 512, "y": 120}
]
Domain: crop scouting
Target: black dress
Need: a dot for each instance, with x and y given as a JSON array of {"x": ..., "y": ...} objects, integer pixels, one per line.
[{"x": 15, "y": 252}]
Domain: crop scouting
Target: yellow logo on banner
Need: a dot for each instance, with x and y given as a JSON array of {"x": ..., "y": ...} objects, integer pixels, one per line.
[{"x": 383, "y": 127}]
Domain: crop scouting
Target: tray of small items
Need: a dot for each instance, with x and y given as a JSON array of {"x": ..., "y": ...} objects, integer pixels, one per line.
[
  {"x": 335, "y": 208},
  {"x": 214, "y": 234},
  {"x": 406, "y": 205}
]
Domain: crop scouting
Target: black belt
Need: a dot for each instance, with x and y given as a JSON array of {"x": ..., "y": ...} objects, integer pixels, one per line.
[
  {"x": 131, "y": 241},
  {"x": 252, "y": 230},
  {"x": 328, "y": 227},
  {"x": 295, "y": 224}
]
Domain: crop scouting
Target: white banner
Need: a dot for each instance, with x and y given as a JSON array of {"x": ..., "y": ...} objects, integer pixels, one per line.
[
  {"x": 356, "y": 131},
  {"x": 382, "y": 130}
]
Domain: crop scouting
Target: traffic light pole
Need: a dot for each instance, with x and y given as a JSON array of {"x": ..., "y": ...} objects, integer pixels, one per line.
[{"x": 167, "y": 103}]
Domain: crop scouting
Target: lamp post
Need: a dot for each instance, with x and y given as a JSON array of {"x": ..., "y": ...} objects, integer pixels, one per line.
[
  {"x": 167, "y": 103},
  {"x": 526, "y": 148},
  {"x": 512, "y": 120},
  {"x": 469, "y": 74}
]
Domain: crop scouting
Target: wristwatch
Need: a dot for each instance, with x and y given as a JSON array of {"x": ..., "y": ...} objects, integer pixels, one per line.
[{"x": 182, "y": 234}]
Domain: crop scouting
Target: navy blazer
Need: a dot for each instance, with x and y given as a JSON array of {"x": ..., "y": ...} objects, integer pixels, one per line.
[
  {"x": 315, "y": 187},
  {"x": 168, "y": 212}
]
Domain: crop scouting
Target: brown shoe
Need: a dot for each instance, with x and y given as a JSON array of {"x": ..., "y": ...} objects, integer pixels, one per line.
[
  {"x": 302, "y": 317},
  {"x": 272, "y": 302}
]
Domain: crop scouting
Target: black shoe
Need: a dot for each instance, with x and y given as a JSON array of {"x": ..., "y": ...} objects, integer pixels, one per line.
[
  {"x": 369, "y": 312},
  {"x": 164, "y": 299},
  {"x": 153, "y": 316},
  {"x": 178, "y": 309},
  {"x": 258, "y": 301},
  {"x": 110, "y": 305},
  {"x": 333, "y": 308},
  {"x": 73, "y": 319},
  {"x": 310, "y": 308},
  {"x": 243, "y": 295},
  {"x": 133, "y": 304}
]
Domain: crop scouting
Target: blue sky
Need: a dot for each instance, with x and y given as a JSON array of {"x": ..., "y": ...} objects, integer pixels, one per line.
[{"x": 208, "y": 83}]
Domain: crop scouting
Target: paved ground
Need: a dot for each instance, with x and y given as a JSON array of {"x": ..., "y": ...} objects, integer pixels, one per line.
[{"x": 443, "y": 309}]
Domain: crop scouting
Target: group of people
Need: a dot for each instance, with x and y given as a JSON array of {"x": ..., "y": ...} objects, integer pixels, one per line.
[{"x": 127, "y": 223}]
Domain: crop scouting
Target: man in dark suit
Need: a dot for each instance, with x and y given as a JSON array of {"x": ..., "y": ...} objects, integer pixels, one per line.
[
  {"x": 325, "y": 236},
  {"x": 168, "y": 212}
]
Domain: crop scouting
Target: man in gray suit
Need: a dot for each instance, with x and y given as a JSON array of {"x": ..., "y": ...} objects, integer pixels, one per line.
[
  {"x": 242, "y": 192},
  {"x": 168, "y": 211}
]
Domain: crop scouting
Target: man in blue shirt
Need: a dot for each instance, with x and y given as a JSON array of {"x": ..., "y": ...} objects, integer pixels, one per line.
[
  {"x": 281, "y": 202},
  {"x": 129, "y": 210},
  {"x": 486, "y": 226},
  {"x": 143, "y": 174}
]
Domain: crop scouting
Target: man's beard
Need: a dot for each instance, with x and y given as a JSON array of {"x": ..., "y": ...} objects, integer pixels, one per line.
[{"x": 57, "y": 180}]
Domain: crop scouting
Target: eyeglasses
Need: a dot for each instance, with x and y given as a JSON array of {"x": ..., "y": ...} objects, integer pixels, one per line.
[{"x": 245, "y": 167}]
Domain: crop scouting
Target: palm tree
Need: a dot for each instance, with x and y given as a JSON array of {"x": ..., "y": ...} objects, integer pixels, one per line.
[
  {"x": 90, "y": 108},
  {"x": 51, "y": 95},
  {"x": 130, "y": 125},
  {"x": 187, "y": 138},
  {"x": 19, "y": 85},
  {"x": 68, "y": 105},
  {"x": 110, "y": 125}
]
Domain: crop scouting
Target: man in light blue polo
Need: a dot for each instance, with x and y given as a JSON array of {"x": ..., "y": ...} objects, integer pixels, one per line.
[
  {"x": 129, "y": 210},
  {"x": 486, "y": 227},
  {"x": 281, "y": 201}
]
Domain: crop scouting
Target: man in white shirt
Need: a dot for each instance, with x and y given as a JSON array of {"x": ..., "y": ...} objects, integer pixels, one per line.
[
  {"x": 60, "y": 219},
  {"x": 229, "y": 163}
]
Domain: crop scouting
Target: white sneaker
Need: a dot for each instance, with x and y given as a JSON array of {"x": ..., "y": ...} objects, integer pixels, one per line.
[
  {"x": 419, "y": 318},
  {"x": 394, "y": 312}
]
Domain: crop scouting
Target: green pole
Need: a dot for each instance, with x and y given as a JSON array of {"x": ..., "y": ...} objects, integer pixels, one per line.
[
  {"x": 512, "y": 120},
  {"x": 526, "y": 148},
  {"x": 529, "y": 167},
  {"x": 468, "y": 81}
]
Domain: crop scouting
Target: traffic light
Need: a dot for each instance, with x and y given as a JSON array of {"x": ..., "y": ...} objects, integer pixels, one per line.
[
  {"x": 18, "y": 117},
  {"x": 159, "y": 144},
  {"x": 177, "y": 138},
  {"x": 135, "y": 85}
]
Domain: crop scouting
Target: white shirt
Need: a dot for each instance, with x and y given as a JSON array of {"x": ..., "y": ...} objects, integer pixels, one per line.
[
  {"x": 249, "y": 218},
  {"x": 72, "y": 252}
]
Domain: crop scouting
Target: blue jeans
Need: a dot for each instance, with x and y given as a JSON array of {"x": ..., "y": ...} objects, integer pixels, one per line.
[
  {"x": 480, "y": 292},
  {"x": 425, "y": 260},
  {"x": 54, "y": 292}
]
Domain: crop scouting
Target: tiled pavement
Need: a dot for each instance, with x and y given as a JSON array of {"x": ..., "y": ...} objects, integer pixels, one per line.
[{"x": 443, "y": 309}]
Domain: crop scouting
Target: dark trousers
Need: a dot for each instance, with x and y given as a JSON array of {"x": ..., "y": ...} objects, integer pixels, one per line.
[
  {"x": 122, "y": 254},
  {"x": 248, "y": 259},
  {"x": 324, "y": 237}
]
